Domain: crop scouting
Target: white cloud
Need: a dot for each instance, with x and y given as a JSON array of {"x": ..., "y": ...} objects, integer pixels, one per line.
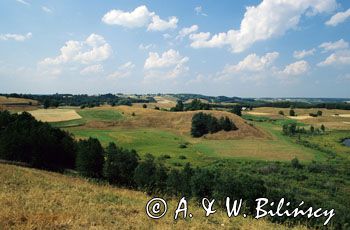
[
  {"x": 139, "y": 17},
  {"x": 187, "y": 31},
  {"x": 123, "y": 71},
  {"x": 296, "y": 68},
  {"x": 146, "y": 47},
  {"x": 160, "y": 25},
  {"x": 338, "y": 58},
  {"x": 46, "y": 9},
  {"x": 252, "y": 63},
  {"x": 170, "y": 64},
  {"x": 23, "y": 2},
  {"x": 93, "y": 69},
  {"x": 260, "y": 24},
  {"x": 93, "y": 49},
  {"x": 338, "y": 18},
  {"x": 15, "y": 37},
  {"x": 331, "y": 46},
  {"x": 199, "y": 11},
  {"x": 303, "y": 53}
]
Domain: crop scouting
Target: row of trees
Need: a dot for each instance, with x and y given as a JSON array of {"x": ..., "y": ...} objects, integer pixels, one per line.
[
  {"x": 292, "y": 129},
  {"x": 195, "y": 104},
  {"x": 203, "y": 123}
]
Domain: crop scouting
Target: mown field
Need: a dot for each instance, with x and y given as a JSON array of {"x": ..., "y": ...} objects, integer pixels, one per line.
[{"x": 35, "y": 199}]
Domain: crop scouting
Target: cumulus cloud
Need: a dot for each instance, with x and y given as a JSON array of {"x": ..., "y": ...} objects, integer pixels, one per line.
[
  {"x": 252, "y": 63},
  {"x": 93, "y": 69},
  {"x": 139, "y": 17},
  {"x": 93, "y": 49},
  {"x": 123, "y": 71},
  {"x": 187, "y": 31},
  {"x": 259, "y": 24},
  {"x": 296, "y": 68},
  {"x": 338, "y": 18},
  {"x": 331, "y": 46},
  {"x": 303, "y": 53},
  {"x": 338, "y": 58},
  {"x": 159, "y": 24},
  {"x": 16, "y": 37},
  {"x": 169, "y": 64}
]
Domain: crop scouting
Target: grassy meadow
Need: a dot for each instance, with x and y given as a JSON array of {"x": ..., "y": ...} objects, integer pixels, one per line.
[
  {"x": 164, "y": 133},
  {"x": 35, "y": 199}
]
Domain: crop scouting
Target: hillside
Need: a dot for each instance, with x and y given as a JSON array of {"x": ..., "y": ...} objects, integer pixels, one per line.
[
  {"x": 34, "y": 199},
  {"x": 178, "y": 122}
]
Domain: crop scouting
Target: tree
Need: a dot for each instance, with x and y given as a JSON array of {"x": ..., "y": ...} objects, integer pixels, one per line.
[
  {"x": 46, "y": 103},
  {"x": 323, "y": 128},
  {"x": 202, "y": 183},
  {"x": 319, "y": 113},
  {"x": 178, "y": 107},
  {"x": 89, "y": 162},
  {"x": 237, "y": 109},
  {"x": 174, "y": 183},
  {"x": 292, "y": 113},
  {"x": 226, "y": 124},
  {"x": 120, "y": 165},
  {"x": 312, "y": 129},
  {"x": 144, "y": 175},
  {"x": 199, "y": 125}
]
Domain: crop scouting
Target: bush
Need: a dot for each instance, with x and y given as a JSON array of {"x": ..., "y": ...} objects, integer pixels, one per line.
[
  {"x": 89, "y": 162},
  {"x": 296, "y": 164},
  {"x": 144, "y": 106},
  {"x": 182, "y": 157},
  {"x": 281, "y": 112},
  {"x": 292, "y": 113}
]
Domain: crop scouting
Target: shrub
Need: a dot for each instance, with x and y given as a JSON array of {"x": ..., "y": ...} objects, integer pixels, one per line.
[
  {"x": 202, "y": 183},
  {"x": 237, "y": 109},
  {"x": 182, "y": 157},
  {"x": 281, "y": 112},
  {"x": 144, "y": 106},
  {"x": 296, "y": 164},
  {"x": 292, "y": 113}
]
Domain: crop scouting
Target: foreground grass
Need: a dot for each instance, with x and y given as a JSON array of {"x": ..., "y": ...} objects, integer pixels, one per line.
[{"x": 34, "y": 199}]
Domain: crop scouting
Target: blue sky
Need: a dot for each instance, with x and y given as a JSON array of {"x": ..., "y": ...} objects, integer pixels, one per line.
[{"x": 246, "y": 48}]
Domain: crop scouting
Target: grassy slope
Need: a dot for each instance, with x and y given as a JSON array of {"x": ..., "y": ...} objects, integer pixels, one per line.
[
  {"x": 143, "y": 134},
  {"x": 34, "y": 199}
]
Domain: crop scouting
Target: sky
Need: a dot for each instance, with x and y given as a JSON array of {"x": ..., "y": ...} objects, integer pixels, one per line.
[{"x": 250, "y": 48}]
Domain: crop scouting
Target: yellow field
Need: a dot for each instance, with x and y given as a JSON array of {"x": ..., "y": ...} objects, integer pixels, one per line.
[
  {"x": 11, "y": 100},
  {"x": 34, "y": 199},
  {"x": 55, "y": 115},
  {"x": 331, "y": 118}
]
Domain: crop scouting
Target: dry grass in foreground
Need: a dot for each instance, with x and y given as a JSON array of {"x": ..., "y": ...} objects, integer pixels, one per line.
[{"x": 34, "y": 199}]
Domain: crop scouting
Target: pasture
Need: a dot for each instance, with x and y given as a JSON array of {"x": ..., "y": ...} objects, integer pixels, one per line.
[{"x": 55, "y": 115}]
